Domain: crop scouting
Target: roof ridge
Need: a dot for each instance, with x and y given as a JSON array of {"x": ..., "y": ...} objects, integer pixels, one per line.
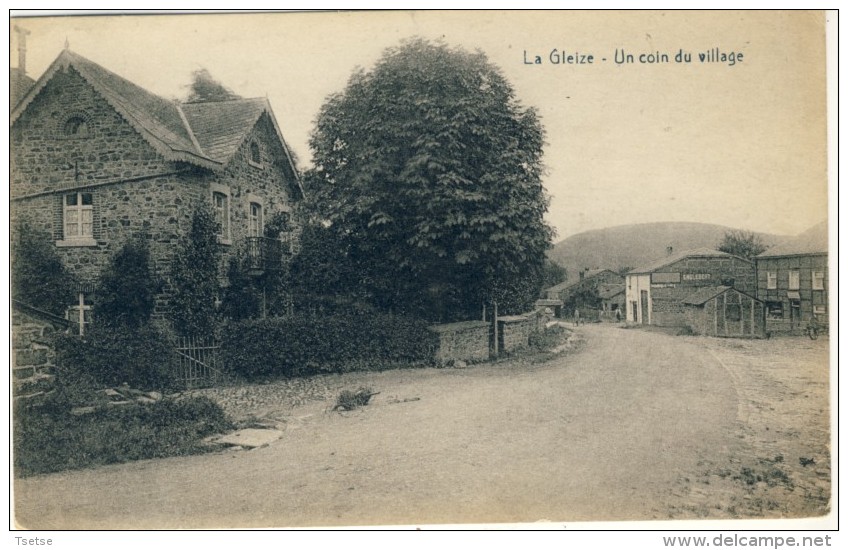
[{"x": 188, "y": 129}]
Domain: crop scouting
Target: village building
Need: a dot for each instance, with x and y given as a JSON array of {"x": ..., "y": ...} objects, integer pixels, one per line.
[
  {"x": 583, "y": 293},
  {"x": 792, "y": 281},
  {"x": 612, "y": 297},
  {"x": 724, "y": 311},
  {"x": 657, "y": 294},
  {"x": 96, "y": 160}
]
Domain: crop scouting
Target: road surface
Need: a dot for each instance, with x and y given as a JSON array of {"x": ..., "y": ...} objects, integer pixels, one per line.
[{"x": 605, "y": 433}]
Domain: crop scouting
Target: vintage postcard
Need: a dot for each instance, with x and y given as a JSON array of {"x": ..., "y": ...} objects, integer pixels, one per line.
[{"x": 415, "y": 268}]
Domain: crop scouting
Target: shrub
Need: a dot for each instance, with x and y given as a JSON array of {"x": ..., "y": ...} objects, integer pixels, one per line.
[
  {"x": 109, "y": 356},
  {"x": 302, "y": 345},
  {"x": 349, "y": 400},
  {"x": 126, "y": 291},
  {"x": 548, "y": 338},
  {"x": 194, "y": 276},
  {"x": 49, "y": 441},
  {"x": 39, "y": 278}
]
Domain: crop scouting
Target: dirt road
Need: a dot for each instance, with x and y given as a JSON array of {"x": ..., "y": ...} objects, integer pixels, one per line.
[{"x": 627, "y": 428}]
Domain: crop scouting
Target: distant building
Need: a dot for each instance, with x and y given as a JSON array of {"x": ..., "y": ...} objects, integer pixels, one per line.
[
  {"x": 612, "y": 297},
  {"x": 583, "y": 292},
  {"x": 724, "y": 311},
  {"x": 792, "y": 281},
  {"x": 656, "y": 294}
]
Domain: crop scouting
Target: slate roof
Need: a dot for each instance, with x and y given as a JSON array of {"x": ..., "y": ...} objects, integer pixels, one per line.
[
  {"x": 568, "y": 284},
  {"x": 610, "y": 290},
  {"x": 204, "y": 134},
  {"x": 811, "y": 241},
  {"x": 694, "y": 253}
]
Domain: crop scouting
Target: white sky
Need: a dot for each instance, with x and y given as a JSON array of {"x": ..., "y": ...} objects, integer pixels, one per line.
[{"x": 742, "y": 146}]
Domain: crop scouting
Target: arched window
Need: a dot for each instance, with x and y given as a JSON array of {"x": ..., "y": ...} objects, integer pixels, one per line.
[
  {"x": 255, "y": 155},
  {"x": 76, "y": 126}
]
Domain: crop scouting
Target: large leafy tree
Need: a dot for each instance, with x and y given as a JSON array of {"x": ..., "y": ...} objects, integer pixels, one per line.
[
  {"x": 428, "y": 170},
  {"x": 126, "y": 291},
  {"x": 204, "y": 88},
  {"x": 745, "y": 244}
]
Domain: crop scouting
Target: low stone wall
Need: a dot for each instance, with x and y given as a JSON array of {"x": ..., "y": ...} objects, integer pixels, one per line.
[
  {"x": 33, "y": 357},
  {"x": 514, "y": 332},
  {"x": 466, "y": 341}
]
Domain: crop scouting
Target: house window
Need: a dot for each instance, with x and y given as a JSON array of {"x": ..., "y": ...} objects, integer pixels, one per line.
[
  {"x": 774, "y": 310},
  {"x": 771, "y": 280},
  {"x": 78, "y": 216},
  {"x": 221, "y": 204},
  {"x": 76, "y": 126},
  {"x": 255, "y": 154},
  {"x": 794, "y": 279},
  {"x": 820, "y": 312},
  {"x": 256, "y": 222},
  {"x": 818, "y": 280},
  {"x": 733, "y": 312},
  {"x": 80, "y": 313}
]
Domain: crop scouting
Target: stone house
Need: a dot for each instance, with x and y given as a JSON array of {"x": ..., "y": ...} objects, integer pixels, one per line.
[
  {"x": 655, "y": 293},
  {"x": 792, "y": 281},
  {"x": 583, "y": 292},
  {"x": 96, "y": 160}
]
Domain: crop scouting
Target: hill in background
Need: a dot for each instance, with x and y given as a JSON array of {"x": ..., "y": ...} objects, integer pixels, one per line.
[{"x": 634, "y": 245}]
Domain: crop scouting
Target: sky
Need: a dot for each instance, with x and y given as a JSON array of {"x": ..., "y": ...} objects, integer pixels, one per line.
[{"x": 741, "y": 145}]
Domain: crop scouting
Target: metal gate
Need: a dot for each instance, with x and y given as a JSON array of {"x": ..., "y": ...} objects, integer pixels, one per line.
[{"x": 198, "y": 362}]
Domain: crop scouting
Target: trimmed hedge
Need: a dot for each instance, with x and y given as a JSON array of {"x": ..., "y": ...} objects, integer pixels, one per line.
[
  {"x": 110, "y": 356},
  {"x": 302, "y": 345}
]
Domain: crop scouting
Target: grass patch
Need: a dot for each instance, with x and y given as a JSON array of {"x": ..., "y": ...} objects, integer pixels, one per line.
[
  {"x": 51, "y": 439},
  {"x": 548, "y": 339}
]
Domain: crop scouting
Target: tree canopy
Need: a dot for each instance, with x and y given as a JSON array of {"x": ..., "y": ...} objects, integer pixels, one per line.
[
  {"x": 205, "y": 88},
  {"x": 745, "y": 244},
  {"x": 427, "y": 170}
]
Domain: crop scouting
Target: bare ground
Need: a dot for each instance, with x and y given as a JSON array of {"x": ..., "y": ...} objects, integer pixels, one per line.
[{"x": 634, "y": 426}]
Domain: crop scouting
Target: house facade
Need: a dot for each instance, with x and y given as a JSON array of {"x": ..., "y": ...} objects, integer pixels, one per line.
[
  {"x": 792, "y": 281},
  {"x": 655, "y": 293},
  {"x": 585, "y": 291},
  {"x": 96, "y": 160}
]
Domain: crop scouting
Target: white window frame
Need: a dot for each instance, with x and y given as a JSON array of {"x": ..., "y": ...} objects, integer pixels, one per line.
[
  {"x": 223, "y": 213},
  {"x": 771, "y": 280},
  {"x": 794, "y": 279},
  {"x": 77, "y": 313},
  {"x": 820, "y": 310},
  {"x": 79, "y": 211},
  {"x": 818, "y": 280}
]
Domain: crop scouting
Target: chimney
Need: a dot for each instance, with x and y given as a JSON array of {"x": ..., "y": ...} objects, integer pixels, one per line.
[
  {"x": 22, "y": 34},
  {"x": 669, "y": 250}
]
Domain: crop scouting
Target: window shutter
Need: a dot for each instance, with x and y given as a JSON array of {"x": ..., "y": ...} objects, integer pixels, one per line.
[
  {"x": 58, "y": 229},
  {"x": 95, "y": 216}
]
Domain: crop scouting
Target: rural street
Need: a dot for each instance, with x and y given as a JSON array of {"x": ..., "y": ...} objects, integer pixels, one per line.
[{"x": 604, "y": 433}]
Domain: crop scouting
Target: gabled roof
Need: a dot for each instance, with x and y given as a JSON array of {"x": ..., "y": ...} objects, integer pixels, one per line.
[
  {"x": 694, "y": 253},
  {"x": 610, "y": 290},
  {"x": 811, "y": 241},
  {"x": 204, "y": 134},
  {"x": 588, "y": 274},
  {"x": 706, "y": 293}
]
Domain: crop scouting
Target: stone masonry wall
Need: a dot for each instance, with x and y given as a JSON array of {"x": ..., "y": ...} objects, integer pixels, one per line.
[
  {"x": 135, "y": 191},
  {"x": 466, "y": 341},
  {"x": 33, "y": 357}
]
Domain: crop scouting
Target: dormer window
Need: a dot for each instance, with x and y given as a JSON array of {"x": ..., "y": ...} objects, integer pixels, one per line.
[{"x": 255, "y": 155}]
